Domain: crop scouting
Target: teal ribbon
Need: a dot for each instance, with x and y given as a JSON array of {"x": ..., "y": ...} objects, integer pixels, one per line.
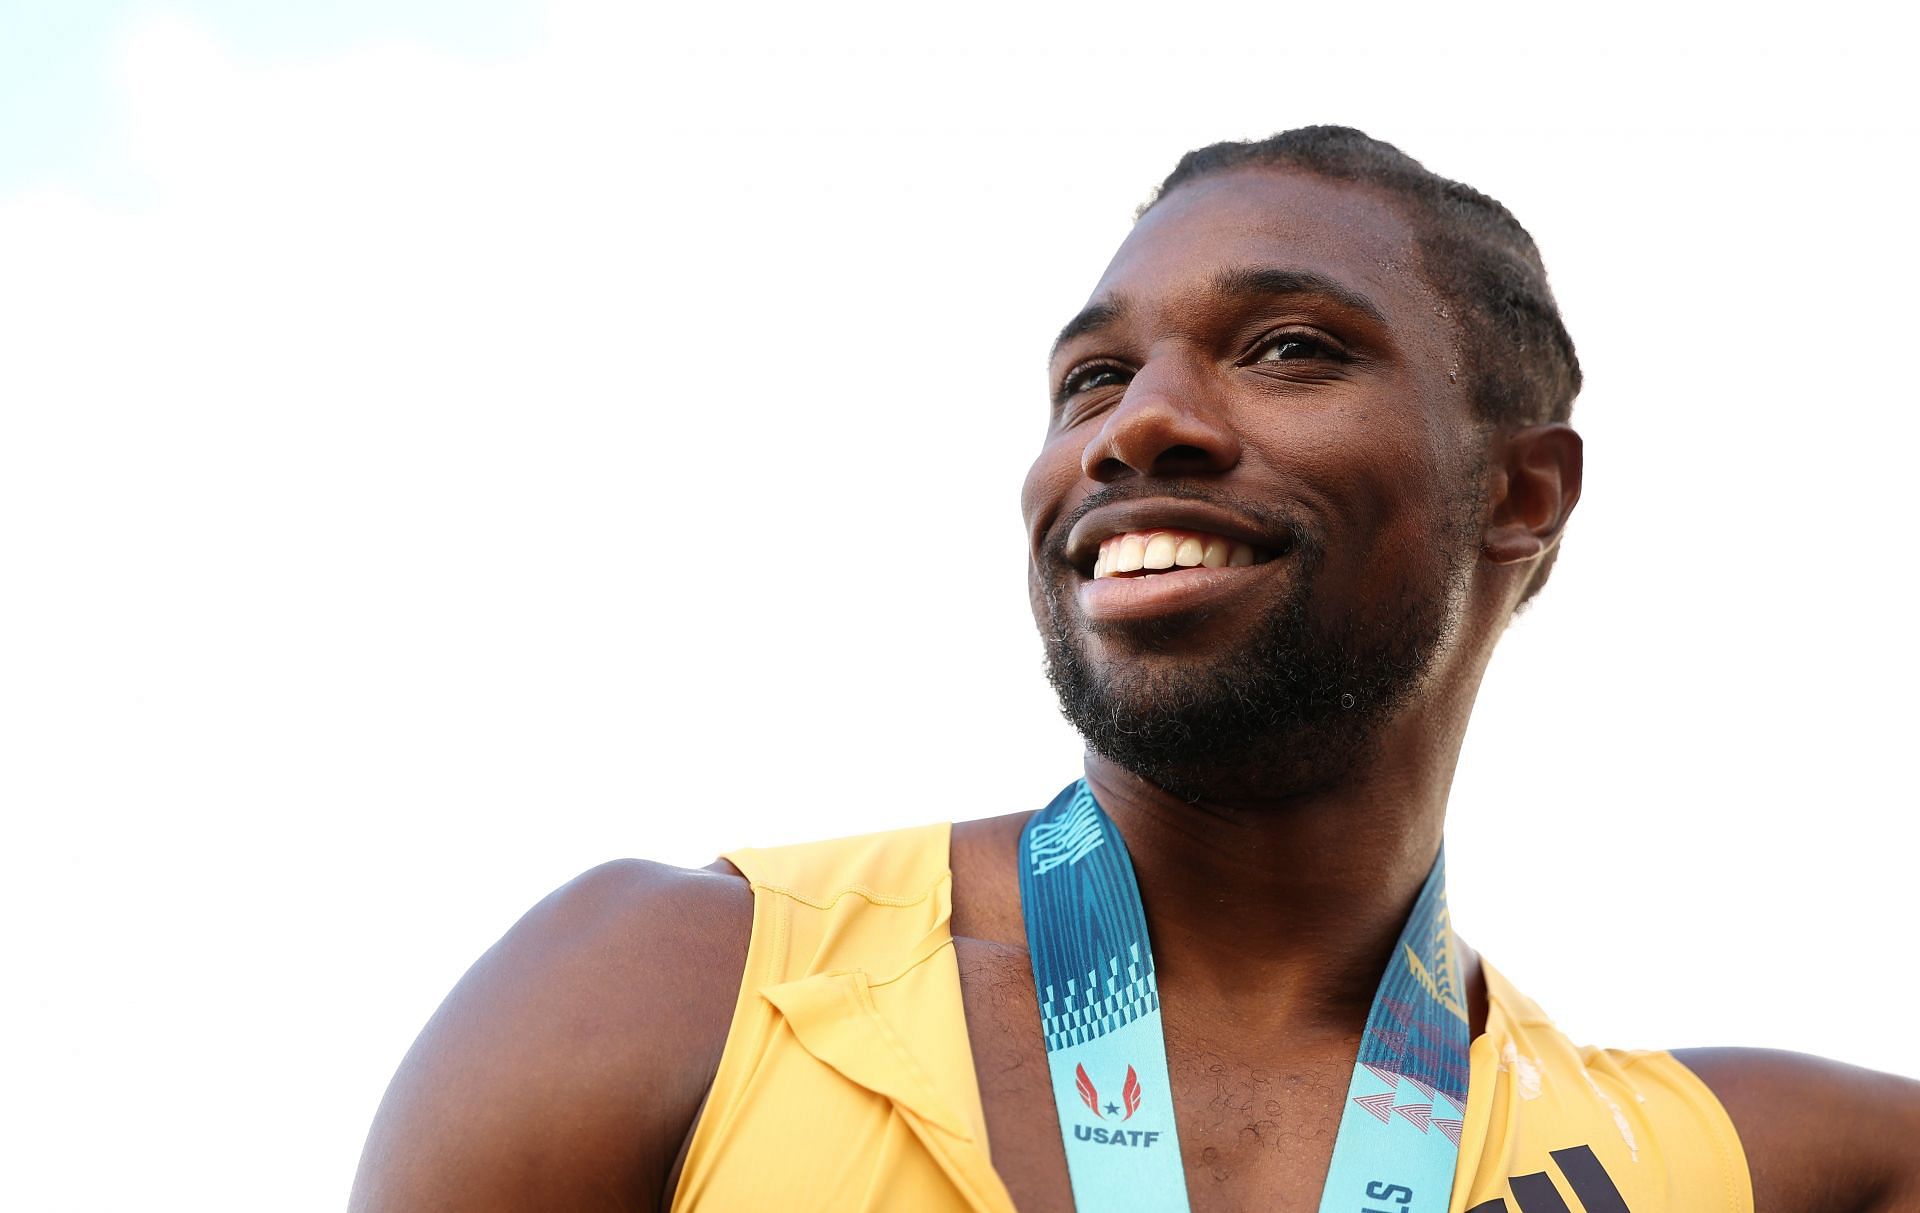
[{"x": 1399, "y": 1139}]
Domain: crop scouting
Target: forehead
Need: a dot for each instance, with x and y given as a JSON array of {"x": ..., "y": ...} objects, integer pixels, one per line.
[{"x": 1254, "y": 217}]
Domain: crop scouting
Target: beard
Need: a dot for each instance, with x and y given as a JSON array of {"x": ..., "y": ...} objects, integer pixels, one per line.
[{"x": 1291, "y": 711}]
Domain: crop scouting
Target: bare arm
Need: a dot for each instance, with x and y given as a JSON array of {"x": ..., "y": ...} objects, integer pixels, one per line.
[
  {"x": 563, "y": 1071},
  {"x": 1820, "y": 1137}
]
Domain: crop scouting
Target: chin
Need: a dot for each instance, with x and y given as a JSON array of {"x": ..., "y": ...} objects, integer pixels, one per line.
[{"x": 1285, "y": 705}]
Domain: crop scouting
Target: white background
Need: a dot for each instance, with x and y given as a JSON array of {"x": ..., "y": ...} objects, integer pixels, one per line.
[{"x": 442, "y": 455}]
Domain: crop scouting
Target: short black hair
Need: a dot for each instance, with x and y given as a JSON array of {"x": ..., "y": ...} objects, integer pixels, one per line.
[
  {"x": 1520, "y": 364},
  {"x": 1518, "y": 358}
]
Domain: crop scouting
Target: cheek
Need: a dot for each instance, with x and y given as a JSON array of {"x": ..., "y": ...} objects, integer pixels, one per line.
[
  {"x": 1038, "y": 599},
  {"x": 1044, "y": 493},
  {"x": 1375, "y": 481}
]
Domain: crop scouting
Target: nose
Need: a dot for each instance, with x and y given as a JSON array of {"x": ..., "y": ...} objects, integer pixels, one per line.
[{"x": 1166, "y": 424}]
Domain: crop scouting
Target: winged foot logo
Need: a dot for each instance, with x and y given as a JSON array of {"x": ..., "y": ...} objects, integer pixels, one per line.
[{"x": 1130, "y": 1097}]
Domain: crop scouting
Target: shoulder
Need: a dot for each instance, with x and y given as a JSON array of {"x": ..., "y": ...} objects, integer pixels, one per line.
[
  {"x": 653, "y": 905},
  {"x": 1621, "y": 1128},
  {"x": 1818, "y": 1134},
  {"x": 566, "y": 1066}
]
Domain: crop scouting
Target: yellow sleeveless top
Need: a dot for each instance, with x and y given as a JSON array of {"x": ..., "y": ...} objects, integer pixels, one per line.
[{"x": 847, "y": 1081}]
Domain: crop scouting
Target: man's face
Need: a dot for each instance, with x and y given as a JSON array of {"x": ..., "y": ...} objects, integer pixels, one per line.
[{"x": 1251, "y": 522}]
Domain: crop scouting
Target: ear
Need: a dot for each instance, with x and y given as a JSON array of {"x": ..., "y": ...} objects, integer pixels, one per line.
[{"x": 1535, "y": 483}]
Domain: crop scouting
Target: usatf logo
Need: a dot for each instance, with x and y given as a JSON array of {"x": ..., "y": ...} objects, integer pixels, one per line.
[
  {"x": 1129, "y": 1094},
  {"x": 1130, "y": 1097}
]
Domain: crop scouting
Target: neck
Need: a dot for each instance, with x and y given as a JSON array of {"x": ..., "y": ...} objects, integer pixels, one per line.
[{"x": 1291, "y": 906}]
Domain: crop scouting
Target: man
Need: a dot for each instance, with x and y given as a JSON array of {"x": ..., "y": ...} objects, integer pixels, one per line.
[{"x": 1308, "y": 453}]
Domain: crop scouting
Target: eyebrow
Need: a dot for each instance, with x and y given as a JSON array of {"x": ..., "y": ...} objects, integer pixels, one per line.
[
  {"x": 1093, "y": 316},
  {"x": 1264, "y": 281},
  {"x": 1244, "y": 282}
]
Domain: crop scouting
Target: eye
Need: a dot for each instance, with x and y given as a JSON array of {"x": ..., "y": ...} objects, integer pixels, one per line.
[
  {"x": 1297, "y": 347},
  {"x": 1091, "y": 375}
]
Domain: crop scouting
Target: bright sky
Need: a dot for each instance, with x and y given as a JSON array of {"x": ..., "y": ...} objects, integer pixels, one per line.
[{"x": 444, "y": 446}]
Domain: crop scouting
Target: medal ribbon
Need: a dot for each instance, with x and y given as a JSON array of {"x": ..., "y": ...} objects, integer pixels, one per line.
[{"x": 1399, "y": 1139}]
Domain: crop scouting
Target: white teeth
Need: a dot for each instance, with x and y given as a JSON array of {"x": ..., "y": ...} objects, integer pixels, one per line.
[
  {"x": 1160, "y": 552},
  {"x": 1156, "y": 550}
]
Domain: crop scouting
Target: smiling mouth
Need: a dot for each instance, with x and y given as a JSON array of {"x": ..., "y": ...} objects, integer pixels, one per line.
[{"x": 1145, "y": 553}]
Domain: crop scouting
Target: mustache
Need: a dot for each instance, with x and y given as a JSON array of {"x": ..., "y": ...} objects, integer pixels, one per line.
[{"x": 1305, "y": 540}]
